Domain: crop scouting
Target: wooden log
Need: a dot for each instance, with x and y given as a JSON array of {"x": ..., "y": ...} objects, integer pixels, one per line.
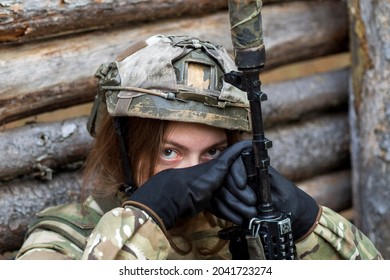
[
  {"x": 35, "y": 19},
  {"x": 286, "y": 23},
  {"x": 332, "y": 190},
  {"x": 311, "y": 147},
  {"x": 370, "y": 119},
  {"x": 48, "y": 75},
  {"x": 290, "y": 100},
  {"x": 40, "y": 148},
  {"x": 21, "y": 199}
]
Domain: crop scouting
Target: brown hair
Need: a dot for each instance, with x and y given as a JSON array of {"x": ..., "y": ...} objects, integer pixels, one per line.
[{"x": 103, "y": 173}]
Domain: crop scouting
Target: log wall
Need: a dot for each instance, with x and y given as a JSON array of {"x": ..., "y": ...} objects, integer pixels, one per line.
[
  {"x": 46, "y": 65},
  {"x": 369, "y": 109}
]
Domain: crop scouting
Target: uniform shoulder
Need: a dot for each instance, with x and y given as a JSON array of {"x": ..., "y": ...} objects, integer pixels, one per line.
[{"x": 73, "y": 221}]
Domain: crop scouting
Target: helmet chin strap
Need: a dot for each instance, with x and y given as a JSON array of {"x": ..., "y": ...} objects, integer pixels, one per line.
[{"x": 128, "y": 187}]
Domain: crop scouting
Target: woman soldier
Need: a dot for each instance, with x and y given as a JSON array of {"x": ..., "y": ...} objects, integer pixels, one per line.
[{"x": 165, "y": 173}]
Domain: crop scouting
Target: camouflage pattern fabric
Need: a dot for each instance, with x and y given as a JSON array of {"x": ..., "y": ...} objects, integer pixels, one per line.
[
  {"x": 130, "y": 233},
  {"x": 127, "y": 234},
  {"x": 336, "y": 238},
  {"x": 60, "y": 232}
]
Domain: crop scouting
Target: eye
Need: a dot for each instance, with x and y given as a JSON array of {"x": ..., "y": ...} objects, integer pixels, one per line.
[
  {"x": 169, "y": 154},
  {"x": 213, "y": 153}
]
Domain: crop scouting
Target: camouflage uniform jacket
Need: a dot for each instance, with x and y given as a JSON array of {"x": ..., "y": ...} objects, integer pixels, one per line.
[{"x": 109, "y": 231}]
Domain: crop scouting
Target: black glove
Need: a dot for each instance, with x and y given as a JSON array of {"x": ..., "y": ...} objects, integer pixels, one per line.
[
  {"x": 235, "y": 200},
  {"x": 287, "y": 197},
  {"x": 179, "y": 193}
]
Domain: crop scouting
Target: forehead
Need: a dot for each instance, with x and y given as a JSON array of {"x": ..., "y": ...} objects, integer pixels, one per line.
[{"x": 193, "y": 134}]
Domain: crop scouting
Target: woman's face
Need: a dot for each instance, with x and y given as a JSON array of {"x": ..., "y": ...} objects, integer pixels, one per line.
[{"x": 189, "y": 144}]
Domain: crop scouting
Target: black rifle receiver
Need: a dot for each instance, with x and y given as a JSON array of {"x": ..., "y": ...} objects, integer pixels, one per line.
[{"x": 272, "y": 227}]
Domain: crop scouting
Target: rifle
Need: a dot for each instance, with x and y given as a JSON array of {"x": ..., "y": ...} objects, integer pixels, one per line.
[{"x": 272, "y": 227}]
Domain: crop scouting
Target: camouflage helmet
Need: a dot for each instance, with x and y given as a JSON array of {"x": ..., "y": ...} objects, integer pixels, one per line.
[{"x": 176, "y": 78}]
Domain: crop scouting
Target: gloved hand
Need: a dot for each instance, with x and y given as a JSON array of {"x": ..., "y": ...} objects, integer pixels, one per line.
[
  {"x": 179, "y": 193},
  {"x": 287, "y": 197},
  {"x": 235, "y": 200}
]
